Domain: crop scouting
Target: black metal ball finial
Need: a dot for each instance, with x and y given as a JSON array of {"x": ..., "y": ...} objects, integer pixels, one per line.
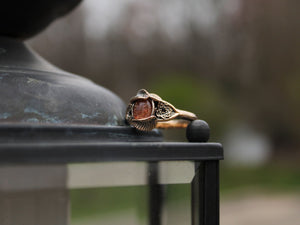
[{"x": 197, "y": 131}]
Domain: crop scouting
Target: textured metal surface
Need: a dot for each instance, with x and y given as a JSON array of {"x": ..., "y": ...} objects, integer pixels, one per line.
[
  {"x": 198, "y": 131},
  {"x": 34, "y": 91},
  {"x": 22, "y": 19},
  {"x": 24, "y": 133},
  {"x": 108, "y": 151},
  {"x": 77, "y": 143}
]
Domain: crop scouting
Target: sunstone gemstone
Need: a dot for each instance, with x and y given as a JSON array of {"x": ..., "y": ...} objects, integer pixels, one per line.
[{"x": 142, "y": 109}]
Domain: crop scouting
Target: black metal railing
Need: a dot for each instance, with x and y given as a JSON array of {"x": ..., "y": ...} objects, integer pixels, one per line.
[{"x": 76, "y": 144}]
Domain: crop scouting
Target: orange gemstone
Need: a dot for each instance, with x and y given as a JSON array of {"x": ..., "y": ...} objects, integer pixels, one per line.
[{"x": 142, "y": 109}]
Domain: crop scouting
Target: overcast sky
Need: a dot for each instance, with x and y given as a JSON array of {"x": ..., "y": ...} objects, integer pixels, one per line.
[{"x": 170, "y": 16}]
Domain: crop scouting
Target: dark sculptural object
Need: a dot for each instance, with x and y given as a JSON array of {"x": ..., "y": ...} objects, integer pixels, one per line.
[
  {"x": 40, "y": 109},
  {"x": 34, "y": 91},
  {"x": 22, "y": 19}
]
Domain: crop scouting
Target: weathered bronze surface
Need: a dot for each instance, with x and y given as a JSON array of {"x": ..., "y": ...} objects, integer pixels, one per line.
[{"x": 34, "y": 91}]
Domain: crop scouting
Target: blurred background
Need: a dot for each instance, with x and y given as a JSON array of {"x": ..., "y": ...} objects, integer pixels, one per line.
[{"x": 235, "y": 63}]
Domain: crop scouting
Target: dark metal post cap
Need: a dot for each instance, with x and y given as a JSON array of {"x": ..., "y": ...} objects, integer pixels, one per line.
[{"x": 198, "y": 131}]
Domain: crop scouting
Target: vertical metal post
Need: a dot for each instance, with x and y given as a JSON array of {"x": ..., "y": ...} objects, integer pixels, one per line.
[
  {"x": 155, "y": 194},
  {"x": 205, "y": 193}
]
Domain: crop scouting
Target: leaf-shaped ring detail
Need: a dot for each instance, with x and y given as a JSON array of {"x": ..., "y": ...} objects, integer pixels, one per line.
[{"x": 147, "y": 111}]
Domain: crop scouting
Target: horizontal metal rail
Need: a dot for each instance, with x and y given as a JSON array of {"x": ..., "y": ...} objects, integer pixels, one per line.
[{"x": 62, "y": 152}]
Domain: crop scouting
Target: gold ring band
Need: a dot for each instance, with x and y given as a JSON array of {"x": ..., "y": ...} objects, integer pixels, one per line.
[{"x": 147, "y": 111}]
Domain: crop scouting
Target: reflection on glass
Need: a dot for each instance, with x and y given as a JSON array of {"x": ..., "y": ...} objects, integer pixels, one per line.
[
  {"x": 128, "y": 205},
  {"x": 130, "y": 193}
]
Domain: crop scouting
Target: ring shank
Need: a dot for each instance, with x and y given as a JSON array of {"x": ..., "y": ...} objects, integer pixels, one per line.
[
  {"x": 172, "y": 124},
  {"x": 186, "y": 115},
  {"x": 181, "y": 121}
]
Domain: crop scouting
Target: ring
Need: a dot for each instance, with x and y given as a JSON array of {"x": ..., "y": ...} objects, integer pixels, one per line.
[{"x": 147, "y": 111}]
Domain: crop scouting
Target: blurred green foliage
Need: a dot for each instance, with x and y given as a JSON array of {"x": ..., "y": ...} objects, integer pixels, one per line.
[
  {"x": 233, "y": 180},
  {"x": 198, "y": 95},
  {"x": 271, "y": 178},
  {"x": 95, "y": 201}
]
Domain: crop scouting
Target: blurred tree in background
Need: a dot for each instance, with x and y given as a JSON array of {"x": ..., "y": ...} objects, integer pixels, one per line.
[{"x": 226, "y": 60}]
